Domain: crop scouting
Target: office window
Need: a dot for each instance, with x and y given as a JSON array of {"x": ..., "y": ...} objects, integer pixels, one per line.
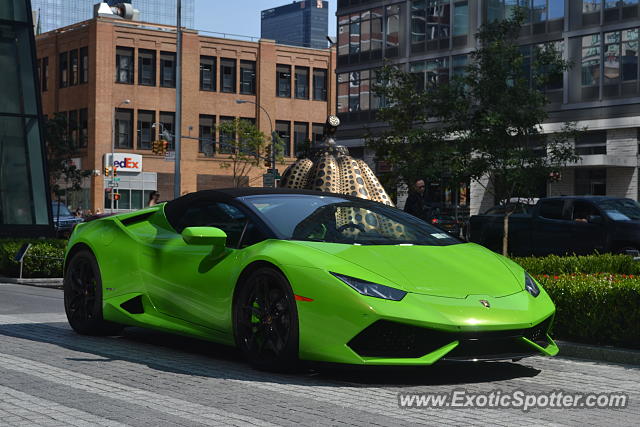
[
  {"x": 72, "y": 123},
  {"x": 591, "y": 62},
  {"x": 392, "y": 31},
  {"x": 63, "y": 69},
  {"x": 124, "y": 65},
  {"x": 354, "y": 33},
  {"x": 167, "y": 69},
  {"x": 243, "y": 145},
  {"x": 461, "y": 19},
  {"x": 283, "y": 77},
  {"x": 590, "y": 182},
  {"x": 84, "y": 127},
  {"x": 207, "y": 135},
  {"x": 146, "y": 67},
  {"x": 591, "y": 142},
  {"x": 300, "y": 137},
  {"x": 302, "y": 82},
  {"x": 620, "y": 9},
  {"x": 343, "y": 93},
  {"x": 124, "y": 128},
  {"x": 227, "y": 139},
  {"x": 319, "y": 84},
  {"x": 146, "y": 131},
  {"x": 73, "y": 68},
  {"x": 168, "y": 120},
  {"x": 590, "y": 6},
  {"x": 360, "y": 35},
  {"x": 459, "y": 65},
  {"x": 556, "y": 76},
  {"x": 621, "y": 63},
  {"x": 84, "y": 65},
  {"x": 317, "y": 133},
  {"x": 228, "y": 75},
  {"x": 431, "y": 73},
  {"x": 45, "y": 73},
  {"x": 283, "y": 129},
  {"x": 248, "y": 77},
  {"x": 208, "y": 73}
]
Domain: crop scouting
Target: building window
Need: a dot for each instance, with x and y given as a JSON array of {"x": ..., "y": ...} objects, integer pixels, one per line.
[
  {"x": 360, "y": 36},
  {"x": 393, "y": 31},
  {"x": 245, "y": 146},
  {"x": 459, "y": 65},
  {"x": 302, "y": 82},
  {"x": 207, "y": 135},
  {"x": 300, "y": 137},
  {"x": 167, "y": 69},
  {"x": 146, "y": 130},
  {"x": 124, "y": 65},
  {"x": 283, "y": 76},
  {"x": 248, "y": 77},
  {"x": 461, "y": 19},
  {"x": 72, "y": 122},
  {"x": 283, "y": 129},
  {"x": 319, "y": 84},
  {"x": 45, "y": 73},
  {"x": 73, "y": 67},
  {"x": 208, "y": 73},
  {"x": 123, "y": 128},
  {"x": 590, "y": 66},
  {"x": 591, "y": 182},
  {"x": 227, "y": 139},
  {"x": 146, "y": 67},
  {"x": 620, "y": 63},
  {"x": 168, "y": 120},
  {"x": 84, "y": 65},
  {"x": 84, "y": 128},
  {"x": 430, "y": 73},
  {"x": 228, "y": 75},
  {"x": 317, "y": 133},
  {"x": 616, "y": 10},
  {"x": 591, "y": 142},
  {"x": 63, "y": 68}
]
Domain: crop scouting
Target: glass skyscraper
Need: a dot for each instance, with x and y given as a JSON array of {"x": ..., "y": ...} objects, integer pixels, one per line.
[
  {"x": 60, "y": 13},
  {"x": 304, "y": 23}
]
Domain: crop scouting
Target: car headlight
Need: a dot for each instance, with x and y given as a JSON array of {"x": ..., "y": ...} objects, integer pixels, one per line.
[
  {"x": 371, "y": 289},
  {"x": 530, "y": 285}
]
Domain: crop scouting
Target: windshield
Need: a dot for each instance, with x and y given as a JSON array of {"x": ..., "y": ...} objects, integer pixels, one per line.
[
  {"x": 336, "y": 220},
  {"x": 64, "y": 211},
  {"x": 620, "y": 209}
]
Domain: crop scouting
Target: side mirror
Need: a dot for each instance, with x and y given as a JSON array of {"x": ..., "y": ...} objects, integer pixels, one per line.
[
  {"x": 210, "y": 236},
  {"x": 595, "y": 219}
]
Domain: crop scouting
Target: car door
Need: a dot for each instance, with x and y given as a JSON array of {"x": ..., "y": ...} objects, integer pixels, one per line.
[
  {"x": 552, "y": 228},
  {"x": 586, "y": 236},
  {"x": 191, "y": 282}
]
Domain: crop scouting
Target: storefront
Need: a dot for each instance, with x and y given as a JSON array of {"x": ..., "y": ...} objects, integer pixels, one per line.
[{"x": 131, "y": 186}]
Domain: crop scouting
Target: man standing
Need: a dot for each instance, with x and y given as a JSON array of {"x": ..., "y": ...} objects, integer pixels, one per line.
[{"x": 416, "y": 204}]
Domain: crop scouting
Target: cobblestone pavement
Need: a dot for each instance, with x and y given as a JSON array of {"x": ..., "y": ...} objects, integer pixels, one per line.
[{"x": 51, "y": 376}]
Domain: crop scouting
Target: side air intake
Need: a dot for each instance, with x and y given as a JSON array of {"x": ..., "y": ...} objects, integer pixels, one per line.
[{"x": 134, "y": 305}]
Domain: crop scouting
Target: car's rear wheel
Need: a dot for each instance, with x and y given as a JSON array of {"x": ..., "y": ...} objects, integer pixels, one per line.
[
  {"x": 266, "y": 321},
  {"x": 83, "y": 296}
]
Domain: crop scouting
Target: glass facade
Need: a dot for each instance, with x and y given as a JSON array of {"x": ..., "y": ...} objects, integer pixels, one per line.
[
  {"x": 305, "y": 23},
  {"x": 24, "y": 195},
  {"x": 60, "y": 13}
]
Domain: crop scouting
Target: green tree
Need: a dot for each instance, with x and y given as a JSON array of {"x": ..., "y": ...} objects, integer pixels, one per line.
[
  {"x": 64, "y": 175},
  {"x": 486, "y": 123},
  {"x": 245, "y": 147}
]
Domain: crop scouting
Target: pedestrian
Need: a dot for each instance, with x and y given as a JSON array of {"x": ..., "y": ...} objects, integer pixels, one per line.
[
  {"x": 417, "y": 204},
  {"x": 154, "y": 198}
]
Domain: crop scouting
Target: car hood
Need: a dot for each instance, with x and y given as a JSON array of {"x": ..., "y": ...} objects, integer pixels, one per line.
[{"x": 454, "y": 271}]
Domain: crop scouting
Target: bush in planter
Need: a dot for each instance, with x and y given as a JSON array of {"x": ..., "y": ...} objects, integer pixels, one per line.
[
  {"x": 44, "y": 259},
  {"x": 596, "y": 309}
]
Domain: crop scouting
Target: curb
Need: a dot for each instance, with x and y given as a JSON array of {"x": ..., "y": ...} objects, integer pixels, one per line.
[
  {"x": 43, "y": 283},
  {"x": 598, "y": 353}
]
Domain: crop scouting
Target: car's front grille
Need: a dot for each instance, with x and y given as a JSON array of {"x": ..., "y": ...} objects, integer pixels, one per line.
[{"x": 386, "y": 339}]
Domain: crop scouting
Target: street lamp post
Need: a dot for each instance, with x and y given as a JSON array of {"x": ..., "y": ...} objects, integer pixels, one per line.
[
  {"x": 113, "y": 147},
  {"x": 273, "y": 134}
]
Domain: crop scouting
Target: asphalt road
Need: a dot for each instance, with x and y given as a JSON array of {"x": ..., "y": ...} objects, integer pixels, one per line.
[{"x": 51, "y": 376}]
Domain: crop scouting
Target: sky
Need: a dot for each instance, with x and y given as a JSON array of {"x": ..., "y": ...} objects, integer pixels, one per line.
[{"x": 242, "y": 17}]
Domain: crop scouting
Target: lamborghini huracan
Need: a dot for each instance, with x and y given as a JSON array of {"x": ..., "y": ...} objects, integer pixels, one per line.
[{"x": 289, "y": 275}]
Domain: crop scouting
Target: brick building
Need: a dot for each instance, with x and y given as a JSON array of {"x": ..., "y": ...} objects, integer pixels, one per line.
[{"x": 88, "y": 70}]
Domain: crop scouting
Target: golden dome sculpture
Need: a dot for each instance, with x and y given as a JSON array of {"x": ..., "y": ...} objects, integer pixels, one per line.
[{"x": 330, "y": 168}]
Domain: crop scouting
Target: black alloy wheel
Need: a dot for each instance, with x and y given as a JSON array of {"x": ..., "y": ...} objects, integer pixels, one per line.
[
  {"x": 266, "y": 321},
  {"x": 83, "y": 296}
]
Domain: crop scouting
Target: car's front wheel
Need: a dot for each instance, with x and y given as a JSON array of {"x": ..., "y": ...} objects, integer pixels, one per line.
[
  {"x": 83, "y": 296},
  {"x": 266, "y": 320}
]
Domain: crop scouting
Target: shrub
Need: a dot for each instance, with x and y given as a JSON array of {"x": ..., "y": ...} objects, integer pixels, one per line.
[
  {"x": 596, "y": 309},
  {"x": 44, "y": 259},
  {"x": 590, "y": 264}
]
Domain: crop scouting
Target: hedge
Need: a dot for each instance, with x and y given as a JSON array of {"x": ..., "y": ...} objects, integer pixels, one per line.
[
  {"x": 589, "y": 264},
  {"x": 597, "y": 309},
  {"x": 44, "y": 258}
]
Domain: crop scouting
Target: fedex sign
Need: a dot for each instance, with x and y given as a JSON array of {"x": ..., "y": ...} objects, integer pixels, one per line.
[{"x": 124, "y": 162}]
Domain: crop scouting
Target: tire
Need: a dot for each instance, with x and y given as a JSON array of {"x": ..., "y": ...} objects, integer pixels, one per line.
[
  {"x": 265, "y": 321},
  {"x": 83, "y": 296}
]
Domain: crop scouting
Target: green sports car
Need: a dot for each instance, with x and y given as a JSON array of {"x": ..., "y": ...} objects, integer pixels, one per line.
[{"x": 288, "y": 275}]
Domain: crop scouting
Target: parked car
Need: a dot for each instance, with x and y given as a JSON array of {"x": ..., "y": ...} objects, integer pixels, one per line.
[
  {"x": 448, "y": 223},
  {"x": 63, "y": 219},
  {"x": 563, "y": 225}
]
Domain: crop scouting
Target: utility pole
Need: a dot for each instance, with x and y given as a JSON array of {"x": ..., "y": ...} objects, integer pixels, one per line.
[{"x": 178, "y": 134}]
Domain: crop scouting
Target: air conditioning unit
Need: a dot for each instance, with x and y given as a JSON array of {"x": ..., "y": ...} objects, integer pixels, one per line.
[{"x": 120, "y": 10}]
